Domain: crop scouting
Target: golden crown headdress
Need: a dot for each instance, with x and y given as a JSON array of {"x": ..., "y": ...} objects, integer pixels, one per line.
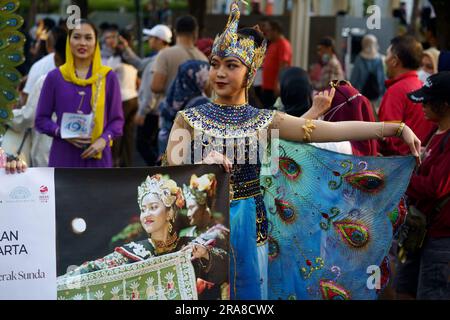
[
  {"x": 228, "y": 44},
  {"x": 165, "y": 188}
]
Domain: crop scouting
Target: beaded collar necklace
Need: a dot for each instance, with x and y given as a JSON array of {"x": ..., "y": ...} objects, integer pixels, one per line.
[{"x": 165, "y": 246}]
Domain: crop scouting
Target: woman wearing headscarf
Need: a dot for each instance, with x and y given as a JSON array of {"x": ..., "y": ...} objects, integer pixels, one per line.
[
  {"x": 186, "y": 91},
  {"x": 82, "y": 91},
  {"x": 295, "y": 91},
  {"x": 350, "y": 105},
  {"x": 429, "y": 67},
  {"x": 368, "y": 71}
]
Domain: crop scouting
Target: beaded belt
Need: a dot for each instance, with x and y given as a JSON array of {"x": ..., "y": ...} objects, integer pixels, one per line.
[{"x": 245, "y": 190}]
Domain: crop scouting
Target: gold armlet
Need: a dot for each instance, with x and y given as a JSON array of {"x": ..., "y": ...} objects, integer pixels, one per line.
[{"x": 308, "y": 127}]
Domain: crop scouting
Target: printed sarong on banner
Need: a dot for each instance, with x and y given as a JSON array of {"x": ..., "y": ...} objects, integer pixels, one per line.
[{"x": 167, "y": 277}]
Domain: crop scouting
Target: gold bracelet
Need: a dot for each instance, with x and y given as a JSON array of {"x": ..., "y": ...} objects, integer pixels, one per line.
[
  {"x": 400, "y": 130},
  {"x": 308, "y": 128}
]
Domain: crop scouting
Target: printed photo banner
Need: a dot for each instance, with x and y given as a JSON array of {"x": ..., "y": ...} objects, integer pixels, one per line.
[{"x": 82, "y": 233}]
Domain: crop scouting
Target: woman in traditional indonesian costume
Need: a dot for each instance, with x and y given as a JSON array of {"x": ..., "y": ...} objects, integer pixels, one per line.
[
  {"x": 160, "y": 199},
  {"x": 230, "y": 121}
]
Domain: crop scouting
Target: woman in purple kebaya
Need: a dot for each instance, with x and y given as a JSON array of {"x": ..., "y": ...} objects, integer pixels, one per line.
[{"x": 82, "y": 86}]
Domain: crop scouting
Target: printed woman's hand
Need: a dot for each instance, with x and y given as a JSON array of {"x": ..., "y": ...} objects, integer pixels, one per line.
[
  {"x": 412, "y": 141},
  {"x": 198, "y": 251},
  {"x": 94, "y": 149}
]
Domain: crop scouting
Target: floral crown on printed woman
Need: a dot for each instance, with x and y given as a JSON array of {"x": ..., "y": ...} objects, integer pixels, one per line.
[
  {"x": 228, "y": 44},
  {"x": 165, "y": 188},
  {"x": 200, "y": 189}
]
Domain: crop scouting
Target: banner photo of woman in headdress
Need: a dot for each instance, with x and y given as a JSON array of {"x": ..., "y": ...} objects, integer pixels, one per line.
[{"x": 128, "y": 234}]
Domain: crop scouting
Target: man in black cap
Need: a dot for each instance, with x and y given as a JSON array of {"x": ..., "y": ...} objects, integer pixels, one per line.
[
  {"x": 435, "y": 88},
  {"x": 425, "y": 274}
]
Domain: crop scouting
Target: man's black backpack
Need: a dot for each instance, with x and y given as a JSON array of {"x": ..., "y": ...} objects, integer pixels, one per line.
[{"x": 371, "y": 89}]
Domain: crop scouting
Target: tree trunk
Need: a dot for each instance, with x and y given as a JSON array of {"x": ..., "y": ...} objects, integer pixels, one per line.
[
  {"x": 83, "y": 4},
  {"x": 442, "y": 9},
  {"x": 197, "y": 8},
  {"x": 32, "y": 13},
  {"x": 45, "y": 6},
  {"x": 137, "y": 4}
]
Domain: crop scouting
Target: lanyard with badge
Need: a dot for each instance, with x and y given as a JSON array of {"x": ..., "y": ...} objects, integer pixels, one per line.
[{"x": 79, "y": 125}]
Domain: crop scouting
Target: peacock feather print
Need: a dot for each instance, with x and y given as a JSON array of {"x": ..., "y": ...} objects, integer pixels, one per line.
[
  {"x": 331, "y": 219},
  {"x": 11, "y": 56}
]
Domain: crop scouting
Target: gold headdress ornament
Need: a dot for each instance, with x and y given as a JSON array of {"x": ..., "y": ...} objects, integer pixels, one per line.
[
  {"x": 228, "y": 44},
  {"x": 200, "y": 189},
  {"x": 165, "y": 188}
]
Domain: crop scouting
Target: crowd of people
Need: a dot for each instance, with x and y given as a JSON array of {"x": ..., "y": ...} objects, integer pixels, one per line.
[{"x": 99, "y": 78}]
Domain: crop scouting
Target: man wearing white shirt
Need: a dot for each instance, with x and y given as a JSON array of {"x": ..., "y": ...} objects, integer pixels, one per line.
[
  {"x": 147, "y": 117},
  {"x": 41, "y": 67},
  {"x": 24, "y": 117}
]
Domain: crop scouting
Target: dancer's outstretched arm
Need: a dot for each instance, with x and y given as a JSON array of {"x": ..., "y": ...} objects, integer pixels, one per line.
[{"x": 305, "y": 130}]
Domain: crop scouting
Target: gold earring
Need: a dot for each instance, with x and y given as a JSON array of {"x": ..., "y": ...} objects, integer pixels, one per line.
[{"x": 170, "y": 227}]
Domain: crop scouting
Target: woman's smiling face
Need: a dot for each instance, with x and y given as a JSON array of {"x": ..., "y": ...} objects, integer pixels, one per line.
[
  {"x": 227, "y": 76},
  {"x": 83, "y": 42},
  {"x": 154, "y": 214}
]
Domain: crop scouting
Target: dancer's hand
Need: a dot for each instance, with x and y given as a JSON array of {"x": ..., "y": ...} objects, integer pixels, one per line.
[
  {"x": 412, "y": 141},
  {"x": 322, "y": 102},
  {"x": 215, "y": 157}
]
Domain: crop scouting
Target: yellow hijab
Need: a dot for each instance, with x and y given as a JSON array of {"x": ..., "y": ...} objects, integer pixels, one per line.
[{"x": 98, "y": 85}]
